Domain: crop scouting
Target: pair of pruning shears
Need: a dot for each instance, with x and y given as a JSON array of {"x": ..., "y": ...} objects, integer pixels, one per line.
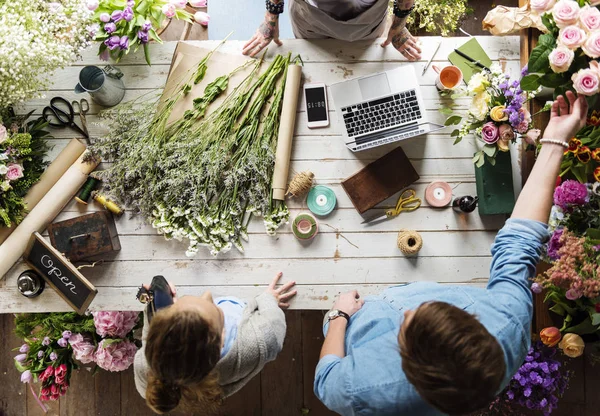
[
  {"x": 406, "y": 202},
  {"x": 60, "y": 113}
]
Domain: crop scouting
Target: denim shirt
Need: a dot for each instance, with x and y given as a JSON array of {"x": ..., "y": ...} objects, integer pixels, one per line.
[
  {"x": 369, "y": 380},
  {"x": 232, "y": 308}
]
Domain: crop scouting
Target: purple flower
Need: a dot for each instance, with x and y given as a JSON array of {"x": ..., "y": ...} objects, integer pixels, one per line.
[
  {"x": 570, "y": 193},
  {"x": 524, "y": 71},
  {"x": 147, "y": 26},
  {"x": 62, "y": 342},
  {"x": 104, "y": 17},
  {"x": 142, "y": 36},
  {"x": 66, "y": 334},
  {"x": 489, "y": 133},
  {"x": 554, "y": 244},
  {"x": 124, "y": 42},
  {"x": 53, "y": 356},
  {"x": 93, "y": 29},
  {"x": 130, "y": 3},
  {"x": 26, "y": 377},
  {"x": 40, "y": 354},
  {"x": 24, "y": 348},
  {"x": 110, "y": 27},
  {"x": 536, "y": 288},
  {"x": 21, "y": 358},
  {"x": 112, "y": 42},
  {"x": 596, "y": 248},
  {"x": 104, "y": 55},
  {"x": 573, "y": 294},
  {"x": 127, "y": 14},
  {"x": 116, "y": 16},
  {"x": 46, "y": 341}
]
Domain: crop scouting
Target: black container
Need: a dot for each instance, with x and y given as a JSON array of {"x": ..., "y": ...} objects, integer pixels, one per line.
[
  {"x": 465, "y": 203},
  {"x": 30, "y": 284}
]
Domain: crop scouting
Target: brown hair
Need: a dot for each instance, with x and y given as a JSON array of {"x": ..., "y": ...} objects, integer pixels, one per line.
[
  {"x": 453, "y": 362},
  {"x": 182, "y": 351}
]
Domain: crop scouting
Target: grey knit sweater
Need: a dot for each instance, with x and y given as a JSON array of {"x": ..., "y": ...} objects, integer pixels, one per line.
[{"x": 259, "y": 339}]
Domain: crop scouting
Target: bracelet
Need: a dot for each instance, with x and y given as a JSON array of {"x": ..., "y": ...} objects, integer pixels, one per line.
[
  {"x": 553, "y": 141},
  {"x": 401, "y": 13},
  {"x": 274, "y": 8}
]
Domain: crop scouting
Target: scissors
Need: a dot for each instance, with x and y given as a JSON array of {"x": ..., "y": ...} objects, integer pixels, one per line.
[
  {"x": 60, "y": 113},
  {"x": 81, "y": 108},
  {"x": 406, "y": 202}
]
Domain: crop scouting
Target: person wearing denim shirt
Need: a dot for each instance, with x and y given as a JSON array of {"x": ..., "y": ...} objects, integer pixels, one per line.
[{"x": 432, "y": 349}]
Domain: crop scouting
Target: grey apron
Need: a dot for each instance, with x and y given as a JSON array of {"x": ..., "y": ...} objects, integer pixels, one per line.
[{"x": 308, "y": 22}]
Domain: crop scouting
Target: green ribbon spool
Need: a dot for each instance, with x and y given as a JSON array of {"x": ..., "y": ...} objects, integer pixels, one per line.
[
  {"x": 305, "y": 227},
  {"x": 321, "y": 200}
]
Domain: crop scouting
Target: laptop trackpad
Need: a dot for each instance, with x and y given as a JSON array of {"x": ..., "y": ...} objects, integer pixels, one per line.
[{"x": 374, "y": 86}]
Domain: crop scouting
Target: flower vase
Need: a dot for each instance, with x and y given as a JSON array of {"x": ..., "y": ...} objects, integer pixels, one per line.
[{"x": 495, "y": 186}]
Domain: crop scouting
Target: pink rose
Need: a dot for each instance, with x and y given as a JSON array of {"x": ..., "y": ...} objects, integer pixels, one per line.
[
  {"x": 565, "y": 13},
  {"x": 586, "y": 82},
  {"x": 83, "y": 349},
  {"x": 14, "y": 172},
  {"x": 589, "y": 18},
  {"x": 506, "y": 132},
  {"x": 572, "y": 36},
  {"x": 489, "y": 133},
  {"x": 117, "y": 356},
  {"x": 3, "y": 133},
  {"x": 541, "y": 6},
  {"x": 114, "y": 324},
  {"x": 591, "y": 47},
  {"x": 561, "y": 59},
  {"x": 202, "y": 18},
  {"x": 531, "y": 138}
]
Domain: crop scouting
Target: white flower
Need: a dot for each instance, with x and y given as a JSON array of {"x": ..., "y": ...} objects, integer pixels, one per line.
[
  {"x": 5, "y": 186},
  {"x": 3, "y": 170},
  {"x": 480, "y": 105},
  {"x": 478, "y": 83}
]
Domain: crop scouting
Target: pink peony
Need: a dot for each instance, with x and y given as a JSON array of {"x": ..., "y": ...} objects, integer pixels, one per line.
[
  {"x": 83, "y": 349},
  {"x": 202, "y": 18},
  {"x": 589, "y": 18},
  {"x": 565, "y": 13},
  {"x": 489, "y": 133},
  {"x": 591, "y": 47},
  {"x": 116, "y": 356},
  {"x": 586, "y": 82},
  {"x": 15, "y": 171},
  {"x": 572, "y": 36},
  {"x": 541, "y": 6},
  {"x": 570, "y": 193},
  {"x": 114, "y": 324},
  {"x": 3, "y": 133},
  {"x": 561, "y": 59}
]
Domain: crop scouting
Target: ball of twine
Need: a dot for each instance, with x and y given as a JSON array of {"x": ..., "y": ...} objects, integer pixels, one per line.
[
  {"x": 300, "y": 184},
  {"x": 409, "y": 242}
]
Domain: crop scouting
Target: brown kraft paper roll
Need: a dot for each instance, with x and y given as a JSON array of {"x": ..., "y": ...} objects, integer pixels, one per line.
[
  {"x": 44, "y": 212},
  {"x": 286, "y": 131},
  {"x": 51, "y": 175}
]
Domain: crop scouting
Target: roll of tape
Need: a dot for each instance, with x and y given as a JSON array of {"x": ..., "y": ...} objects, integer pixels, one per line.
[
  {"x": 438, "y": 194},
  {"x": 305, "y": 227},
  {"x": 321, "y": 200}
]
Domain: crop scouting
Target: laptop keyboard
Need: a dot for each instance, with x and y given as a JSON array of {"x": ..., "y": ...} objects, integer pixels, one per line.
[{"x": 381, "y": 113}]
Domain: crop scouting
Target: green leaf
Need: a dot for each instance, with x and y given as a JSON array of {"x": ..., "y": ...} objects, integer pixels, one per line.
[
  {"x": 530, "y": 82},
  {"x": 558, "y": 309},
  {"x": 490, "y": 150},
  {"x": 538, "y": 60},
  {"x": 476, "y": 157},
  {"x": 446, "y": 111},
  {"x": 455, "y": 133},
  {"x": 552, "y": 80},
  {"x": 147, "y": 53},
  {"x": 458, "y": 140},
  {"x": 547, "y": 40},
  {"x": 579, "y": 173},
  {"x": 453, "y": 120},
  {"x": 583, "y": 328},
  {"x": 492, "y": 160},
  {"x": 595, "y": 318},
  {"x": 593, "y": 233}
]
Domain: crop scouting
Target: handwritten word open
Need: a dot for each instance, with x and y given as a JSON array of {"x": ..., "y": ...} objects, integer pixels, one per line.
[{"x": 49, "y": 264}]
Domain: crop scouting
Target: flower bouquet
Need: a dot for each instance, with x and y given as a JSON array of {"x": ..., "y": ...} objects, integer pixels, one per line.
[
  {"x": 38, "y": 37},
  {"x": 565, "y": 57},
  {"x": 496, "y": 113},
  {"x": 123, "y": 25},
  {"x": 23, "y": 149},
  {"x": 573, "y": 281},
  {"x": 538, "y": 384}
]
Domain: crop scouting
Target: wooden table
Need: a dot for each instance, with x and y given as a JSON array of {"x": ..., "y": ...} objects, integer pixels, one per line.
[{"x": 346, "y": 254}]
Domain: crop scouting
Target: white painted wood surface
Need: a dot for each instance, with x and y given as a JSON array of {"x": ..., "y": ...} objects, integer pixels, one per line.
[{"x": 346, "y": 254}]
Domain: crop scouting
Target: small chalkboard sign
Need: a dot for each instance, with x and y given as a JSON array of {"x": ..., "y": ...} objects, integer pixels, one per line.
[{"x": 59, "y": 273}]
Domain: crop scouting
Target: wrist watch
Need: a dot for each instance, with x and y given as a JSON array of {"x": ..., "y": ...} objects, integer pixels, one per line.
[{"x": 336, "y": 313}]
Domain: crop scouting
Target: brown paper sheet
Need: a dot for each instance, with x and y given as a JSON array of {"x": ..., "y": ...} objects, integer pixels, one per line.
[
  {"x": 286, "y": 131},
  {"x": 503, "y": 21},
  {"x": 51, "y": 175},
  {"x": 45, "y": 211}
]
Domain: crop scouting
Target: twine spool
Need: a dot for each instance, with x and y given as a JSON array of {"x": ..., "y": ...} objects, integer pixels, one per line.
[
  {"x": 86, "y": 190},
  {"x": 300, "y": 184},
  {"x": 305, "y": 227},
  {"x": 107, "y": 203},
  {"x": 409, "y": 242}
]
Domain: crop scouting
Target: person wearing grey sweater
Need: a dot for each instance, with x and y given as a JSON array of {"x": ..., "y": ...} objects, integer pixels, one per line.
[{"x": 199, "y": 350}]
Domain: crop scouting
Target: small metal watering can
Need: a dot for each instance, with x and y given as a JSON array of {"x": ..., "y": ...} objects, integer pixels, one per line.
[{"x": 103, "y": 84}]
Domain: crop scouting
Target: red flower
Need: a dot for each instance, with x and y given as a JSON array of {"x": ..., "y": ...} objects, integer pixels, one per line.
[
  {"x": 61, "y": 371},
  {"x": 597, "y": 176},
  {"x": 44, "y": 398},
  {"x": 54, "y": 397},
  {"x": 584, "y": 154},
  {"x": 597, "y": 307},
  {"x": 46, "y": 391},
  {"x": 63, "y": 388},
  {"x": 54, "y": 389},
  {"x": 574, "y": 144},
  {"x": 596, "y": 154},
  {"x": 48, "y": 372},
  {"x": 558, "y": 182},
  {"x": 59, "y": 380},
  {"x": 594, "y": 119}
]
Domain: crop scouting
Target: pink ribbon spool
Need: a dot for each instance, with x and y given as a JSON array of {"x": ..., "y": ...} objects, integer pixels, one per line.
[{"x": 438, "y": 194}]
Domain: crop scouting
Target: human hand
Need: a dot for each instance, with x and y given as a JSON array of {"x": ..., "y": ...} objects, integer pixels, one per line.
[
  {"x": 566, "y": 118},
  {"x": 171, "y": 285},
  {"x": 349, "y": 303},
  {"x": 403, "y": 41},
  {"x": 283, "y": 294},
  {"x": 267, "y": 31}
]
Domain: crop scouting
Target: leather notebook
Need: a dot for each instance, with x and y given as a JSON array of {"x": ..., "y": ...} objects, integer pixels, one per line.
[{"x": 380, "y": 179}]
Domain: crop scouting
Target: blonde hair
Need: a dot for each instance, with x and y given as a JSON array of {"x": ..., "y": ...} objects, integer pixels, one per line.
[{"x": 182, "y": 351}]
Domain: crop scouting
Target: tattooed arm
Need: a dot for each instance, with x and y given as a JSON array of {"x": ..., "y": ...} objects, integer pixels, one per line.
[
  {"x": 268, "y": 31},
  {"x": 400, "y": 37}
]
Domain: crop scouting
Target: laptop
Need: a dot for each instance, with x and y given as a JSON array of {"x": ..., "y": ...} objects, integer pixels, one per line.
[{"x": 382, "y": 108}]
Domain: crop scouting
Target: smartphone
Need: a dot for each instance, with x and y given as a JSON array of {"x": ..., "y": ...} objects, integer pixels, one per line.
[{"x": 316, "y": 105}]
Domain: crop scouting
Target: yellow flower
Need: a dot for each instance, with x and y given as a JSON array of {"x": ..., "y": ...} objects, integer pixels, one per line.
[
  {"x": 572, "y": 345},
  {"x": 480, "y": 105},
  {"x": 497, "y": 113},
  {"x": 597, "y": 174},
  {"x": 478, "y": 83}
]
